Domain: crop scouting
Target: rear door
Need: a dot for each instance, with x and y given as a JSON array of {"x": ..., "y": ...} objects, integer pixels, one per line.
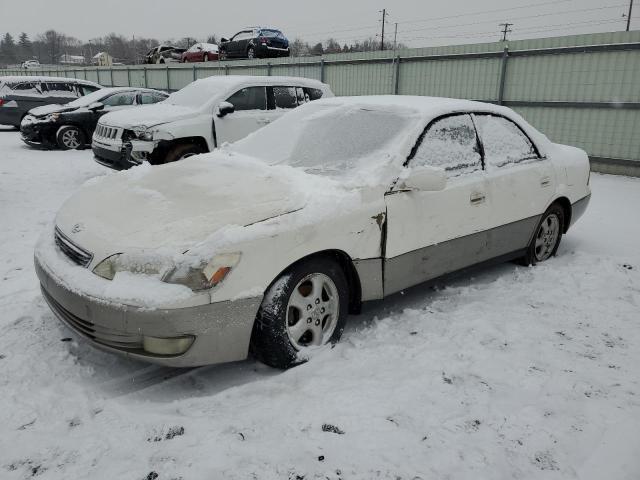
[
  {"x": 250, "y": 114},
  {"x": 521, "y": 183},
  {"x": 433, "y": 233},
  {"x": 59, "y": 92}
]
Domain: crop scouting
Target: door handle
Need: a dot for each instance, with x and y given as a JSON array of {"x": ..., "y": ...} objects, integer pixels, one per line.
[
  {"x": 545, "y": 181},
  {"x": 477, "y": 198}
]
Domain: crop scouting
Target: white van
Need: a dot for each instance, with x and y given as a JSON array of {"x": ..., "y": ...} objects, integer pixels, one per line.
[{"x": 198, "y": 118}]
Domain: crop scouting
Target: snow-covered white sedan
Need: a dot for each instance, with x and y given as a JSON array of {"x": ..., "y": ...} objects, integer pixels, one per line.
[{"x": 267, "y": 244}]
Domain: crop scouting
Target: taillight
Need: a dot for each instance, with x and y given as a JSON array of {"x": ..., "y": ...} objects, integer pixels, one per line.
[
  {"x": 262, "y": 40},
  {"x": 1, "y": 101}
]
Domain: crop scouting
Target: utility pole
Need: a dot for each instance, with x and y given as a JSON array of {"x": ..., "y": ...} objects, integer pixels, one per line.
[
  {"x": 384, "y": 19},
  {"x": 505, "y": 30},
  {"x": 629, "y": 14},
  {"x": 395, "y": 37},
  {"x": 135, "y": 54}
]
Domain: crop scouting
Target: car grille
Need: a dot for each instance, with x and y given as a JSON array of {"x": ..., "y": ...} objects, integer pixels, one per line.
[
  {"x": 99, "y": 334},
  {"x": 75, "y": 253},
  {"x": 108, "y": 133}
]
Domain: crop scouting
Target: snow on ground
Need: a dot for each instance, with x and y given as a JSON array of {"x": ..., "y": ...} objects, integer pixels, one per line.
[{"x": 509, "y": 372}]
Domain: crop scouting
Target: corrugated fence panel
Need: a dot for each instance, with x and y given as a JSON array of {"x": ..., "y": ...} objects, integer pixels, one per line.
[
  {"x": 451, "y": 78},
  {"x": 575, "y": 77},
  {"x": 360, "y": 78},
  {"x": 120, "y": 78},
  {"x": 203, "y": 71},
  {"x": 297, "y": 70},
  {"x": 602, "y": 132}
]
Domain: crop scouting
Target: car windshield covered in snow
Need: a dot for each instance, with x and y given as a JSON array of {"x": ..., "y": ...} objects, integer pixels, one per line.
[
  {"x": 195, "y": 94},
  {"x": 328, "y": 139},
  {"x": 93, "y": 97}
]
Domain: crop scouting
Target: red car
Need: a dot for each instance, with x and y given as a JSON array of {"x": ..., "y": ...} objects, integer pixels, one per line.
[{"x": 200, "y": 52}]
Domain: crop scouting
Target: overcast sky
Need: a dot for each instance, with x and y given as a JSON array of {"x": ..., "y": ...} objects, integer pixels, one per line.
[{"x": 420, "y": 22}]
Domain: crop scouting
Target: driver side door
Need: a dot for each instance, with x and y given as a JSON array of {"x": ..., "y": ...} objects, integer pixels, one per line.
[
  {"x": 250, "y": 114},
  {"x": 431, "y": 233}
]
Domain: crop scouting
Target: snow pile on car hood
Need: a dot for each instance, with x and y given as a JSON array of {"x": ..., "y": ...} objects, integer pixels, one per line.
[
  {"x": 198, "y": 207},
  {"x": 148, "y": 115}
]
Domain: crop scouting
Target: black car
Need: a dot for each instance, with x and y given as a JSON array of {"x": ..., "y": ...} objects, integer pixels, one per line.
[
  {"x": 71, "y": 126},
  {"x": 255, "y": 43},
  {"x": 20, "y": 94}
]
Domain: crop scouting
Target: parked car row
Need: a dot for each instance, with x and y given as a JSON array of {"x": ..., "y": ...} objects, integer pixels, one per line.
[
  {"x": 305, "y": 206},
  {"x": 71, "y": 126},
  {"x": 258, "y": 42}
]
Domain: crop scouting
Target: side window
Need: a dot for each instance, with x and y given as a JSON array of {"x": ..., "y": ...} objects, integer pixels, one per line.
[
  {"x": 242, "y": 36},
  {"x": 250, "y": 98},
  {"x": 503, "y": 141},
  {"x": 120, "y": 99},
  {"x": 151, "y": 97},
  {"x": 285, "y": 97},
  {"x": 302, "y": 96},
  {"x": 59, "y": 88},
  {"x": 86, "y": 89},
  {"x": 21, "y": 87},
  {"x": 450, "y": 143},
  {"x": 313, "y": 93}
]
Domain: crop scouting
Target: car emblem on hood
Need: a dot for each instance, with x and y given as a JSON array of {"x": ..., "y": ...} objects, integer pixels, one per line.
[{"x": 78, "y": 227}]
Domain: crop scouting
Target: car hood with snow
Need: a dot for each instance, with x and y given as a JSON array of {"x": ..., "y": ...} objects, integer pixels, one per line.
[
  {"x": 148, "y": 116},
  {"x": 175, "y": 206}
]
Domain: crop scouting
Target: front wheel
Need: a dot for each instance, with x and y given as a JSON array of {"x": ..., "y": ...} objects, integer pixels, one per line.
[
  {"x": 222, "y": 55},
  {"x": 305, "y": 307},
  {"x": 251, "y": 53},
  {"x": 180, "y": 152},
  {"x": 70, "y": 138},
  {"x": 548, "y": 234}
]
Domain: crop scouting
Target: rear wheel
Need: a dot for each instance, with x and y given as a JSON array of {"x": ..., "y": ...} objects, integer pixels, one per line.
[
  {"x": 206, "y": 57},
  {"x": 180, "y": 152},
  {"x": 546, "y": 240},
  {"x": 70, "y": 138},
  {"x": 305, "y": 307}
]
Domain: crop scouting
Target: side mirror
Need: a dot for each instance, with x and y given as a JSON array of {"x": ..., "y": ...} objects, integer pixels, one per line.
[
  {"x": 426, "y": 179},
  {"x": 96, "y": 106},
  {"x": 225, "y": 108},
  {"x": 224, "y": 39}
]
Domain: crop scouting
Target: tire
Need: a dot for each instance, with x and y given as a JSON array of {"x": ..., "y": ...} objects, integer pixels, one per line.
[
  {"x": 286, "y": 325},
  {"x": 222, "y": 55},
  {"x": 70, "y": 138},
  {"x": 547, "y": 236},
  {"x": 205, "y": 58},
  {"x": 251, "y": 53},
  {"x": 182, "y": 151}
]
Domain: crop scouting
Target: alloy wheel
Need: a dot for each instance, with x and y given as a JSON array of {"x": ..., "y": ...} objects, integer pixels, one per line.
[
  {"x": 70, "y": 139},
  {"x": 312, "y": 311},
  {"x": 547, "y": 237}
]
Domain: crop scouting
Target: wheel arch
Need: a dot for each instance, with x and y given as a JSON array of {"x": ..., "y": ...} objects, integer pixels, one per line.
[
  {"x": 349, "y": 269},
  {"x": 164, "y": 146},
  {"x": 566, "y": 208}
]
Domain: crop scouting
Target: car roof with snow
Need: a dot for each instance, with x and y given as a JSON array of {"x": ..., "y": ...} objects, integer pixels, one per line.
[
  {"x": 38, "y": 78},
  {"x": 229, "y": 81},
  {"x": 429, "y": 108}
]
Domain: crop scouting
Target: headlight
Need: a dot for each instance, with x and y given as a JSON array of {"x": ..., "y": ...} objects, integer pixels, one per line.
[
  {"x": 142, "y": 133},
  {"x": 120, "y": 263},
  {"x": 52, "y": 117},
  {"x": 205, "y": 276}
]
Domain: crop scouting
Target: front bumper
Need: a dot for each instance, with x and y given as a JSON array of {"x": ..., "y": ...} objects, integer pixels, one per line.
[
  {"x": 38, "y": 135},
  {"x": 222, "y": 330}
]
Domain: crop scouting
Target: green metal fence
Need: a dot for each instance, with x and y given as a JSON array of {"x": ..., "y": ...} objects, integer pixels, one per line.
[{"x": 581, "y": 90}]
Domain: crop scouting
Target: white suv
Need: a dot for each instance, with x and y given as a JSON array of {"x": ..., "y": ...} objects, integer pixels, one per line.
[{"x": 199, "y": 118}]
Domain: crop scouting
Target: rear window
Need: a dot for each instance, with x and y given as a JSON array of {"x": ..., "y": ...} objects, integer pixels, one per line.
[{"x": 271, "y": 33}]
